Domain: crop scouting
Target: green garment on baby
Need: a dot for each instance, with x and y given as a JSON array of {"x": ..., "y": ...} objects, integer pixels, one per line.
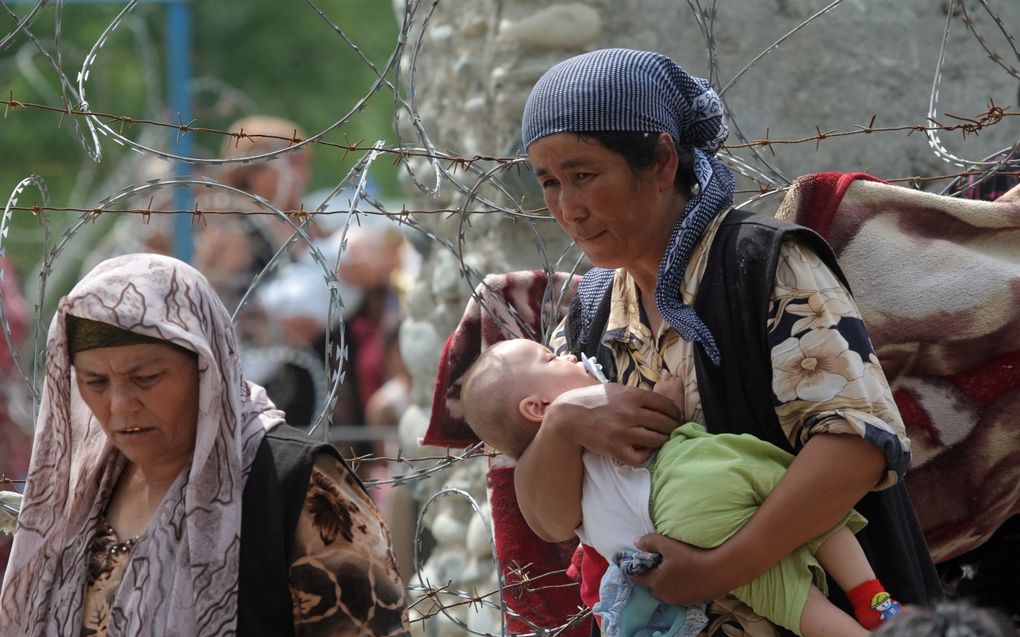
[{"x": 706, "y": 486}]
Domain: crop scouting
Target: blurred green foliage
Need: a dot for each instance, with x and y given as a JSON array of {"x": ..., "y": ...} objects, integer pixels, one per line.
[{"x": 276, "y": 57}]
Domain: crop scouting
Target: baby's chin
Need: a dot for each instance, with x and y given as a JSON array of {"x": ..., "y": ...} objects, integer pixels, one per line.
[
  {"x": 585, "y": 381},
  {"x": 580, "y": 381}
]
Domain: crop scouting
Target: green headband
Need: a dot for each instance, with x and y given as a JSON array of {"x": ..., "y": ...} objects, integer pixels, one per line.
[{"x": 83, "y": 334}]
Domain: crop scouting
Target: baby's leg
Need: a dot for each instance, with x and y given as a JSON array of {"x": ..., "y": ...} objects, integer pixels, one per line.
[
  {"x": 822, "y": 618},
  {"x": 843, "y": 558},
  {"x": 671, "y": 387}
]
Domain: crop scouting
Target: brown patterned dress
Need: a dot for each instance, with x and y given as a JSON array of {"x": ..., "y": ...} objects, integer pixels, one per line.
[{"x": 343, "y": 580}]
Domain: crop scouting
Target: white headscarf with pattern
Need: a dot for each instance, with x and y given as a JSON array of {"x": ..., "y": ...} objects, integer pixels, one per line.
[{"x": 182, "y": 575}]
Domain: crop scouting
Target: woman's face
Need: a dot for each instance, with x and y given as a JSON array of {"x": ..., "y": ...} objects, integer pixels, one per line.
[
  {"x": 617, "y": 217},
  {"x": 146, "y": 399}
]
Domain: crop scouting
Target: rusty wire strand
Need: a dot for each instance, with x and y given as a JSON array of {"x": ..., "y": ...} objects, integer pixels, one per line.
[
  {"x": 993, "y": 55},
  {"x": 479, "y": 181},
  {"x": 965, "y": 124}
]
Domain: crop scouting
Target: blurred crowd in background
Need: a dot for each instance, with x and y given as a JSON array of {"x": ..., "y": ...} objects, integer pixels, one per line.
[{"x": 293, "y": 343}]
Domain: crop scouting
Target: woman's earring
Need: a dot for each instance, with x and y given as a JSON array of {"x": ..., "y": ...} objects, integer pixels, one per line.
[{"x": 696, "y": 189}]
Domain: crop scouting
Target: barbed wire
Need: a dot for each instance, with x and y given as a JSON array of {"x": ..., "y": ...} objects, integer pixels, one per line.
[
  {"x": 993, "y": 55},
  {"x": 974, "y": 124},
  {"x": 480, "y": 182},
  {"x": 5, "y": 480}
]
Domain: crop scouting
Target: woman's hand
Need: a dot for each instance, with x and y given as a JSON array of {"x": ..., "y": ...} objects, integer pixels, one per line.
[
  {"x": 672, "y": 581},
  {"x": 621, "y": 422},
  {"x": 625, "y": 423},
  {"x": 829, "y": 475}
]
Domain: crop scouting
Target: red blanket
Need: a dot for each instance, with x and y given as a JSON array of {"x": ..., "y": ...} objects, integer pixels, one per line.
[
  {"x": 513, "y": 305},
  {"x": 937, "y": 280}
]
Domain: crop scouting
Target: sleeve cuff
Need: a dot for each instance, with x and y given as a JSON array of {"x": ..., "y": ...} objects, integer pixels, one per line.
[{"x": 873, "y": 430}]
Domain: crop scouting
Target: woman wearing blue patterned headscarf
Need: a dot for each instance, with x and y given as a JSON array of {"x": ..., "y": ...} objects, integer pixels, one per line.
[{"x": 753, "y": 314}]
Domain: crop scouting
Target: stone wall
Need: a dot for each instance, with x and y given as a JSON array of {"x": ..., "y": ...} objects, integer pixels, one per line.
[{"x": 480, "y": 57}]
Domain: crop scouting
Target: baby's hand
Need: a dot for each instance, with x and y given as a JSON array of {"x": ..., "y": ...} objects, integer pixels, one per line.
[{"x": 671, "y": 387}]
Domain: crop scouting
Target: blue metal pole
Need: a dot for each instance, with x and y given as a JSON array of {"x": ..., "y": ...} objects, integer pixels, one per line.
[{"x": 178, "y": 52}]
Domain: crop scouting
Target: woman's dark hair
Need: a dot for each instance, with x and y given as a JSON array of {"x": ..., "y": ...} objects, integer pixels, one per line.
[{"x": 638, "y": 149}]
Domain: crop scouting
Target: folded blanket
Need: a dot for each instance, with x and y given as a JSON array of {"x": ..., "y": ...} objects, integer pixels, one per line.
[
  {"x": 514, "y": 305},
  {"x": 937, "y": 280}
]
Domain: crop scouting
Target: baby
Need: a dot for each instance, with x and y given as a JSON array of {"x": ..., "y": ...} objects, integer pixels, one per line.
[{"x": 700, "y": 488}]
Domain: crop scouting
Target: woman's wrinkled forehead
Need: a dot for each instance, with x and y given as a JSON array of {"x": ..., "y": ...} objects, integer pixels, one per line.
[{"x": 624, "y": 90}]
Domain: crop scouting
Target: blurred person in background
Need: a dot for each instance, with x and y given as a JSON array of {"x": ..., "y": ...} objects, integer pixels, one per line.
[
  {"x": 380, "y": 260},
  {"x": 958, "y": 618},
  {"x": 289, "y": 321},
  {"x": 15, "y": 436},
  {"x": 371, "y": 262},
  {"x": 229, "y": 250},
  {"x": 239, "y": 238},
  {"x": 281, "y": 181},
  {"x": 293, "y": 307},
  {"x": 287, "y": 352}
]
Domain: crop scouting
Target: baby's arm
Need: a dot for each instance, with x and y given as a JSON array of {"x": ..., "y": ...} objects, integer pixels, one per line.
[
  {"x": 671, "y": 387},
  {"x": 625, "y": 423},
  {"x": 547, "y": 480}
]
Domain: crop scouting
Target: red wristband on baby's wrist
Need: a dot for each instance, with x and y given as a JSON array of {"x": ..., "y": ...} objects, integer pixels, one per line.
[{"x": 872, "y": 604}]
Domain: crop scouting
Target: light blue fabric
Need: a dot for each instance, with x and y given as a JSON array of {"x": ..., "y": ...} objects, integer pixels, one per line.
[
  {"x": 614, "y": 591},
  {"x": 627, "y": 610}
]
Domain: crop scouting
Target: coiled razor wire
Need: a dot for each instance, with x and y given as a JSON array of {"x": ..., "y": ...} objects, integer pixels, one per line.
[
  {"x": 480, "y": 182},
  {"x": 433, "y": 590}
]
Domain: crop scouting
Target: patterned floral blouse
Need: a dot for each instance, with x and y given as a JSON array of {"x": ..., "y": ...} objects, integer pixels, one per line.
[
  {"x": 335, "y": 553},
  {"x": 826, "y": 377}
]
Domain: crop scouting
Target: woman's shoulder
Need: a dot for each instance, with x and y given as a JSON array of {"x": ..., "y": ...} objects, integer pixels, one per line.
[
  {"x": 343, "y": 576},
  {"x": 760, "y": 239},
  {"x": 285, "y": 434},
  {"x": 737, "y": 219},
  {"x": 285, "y": 443},
  {"x": 285, "y": 460}
]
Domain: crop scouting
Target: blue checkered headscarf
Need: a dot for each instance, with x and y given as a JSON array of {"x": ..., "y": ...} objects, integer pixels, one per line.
[{"x": 642, "y": 91}]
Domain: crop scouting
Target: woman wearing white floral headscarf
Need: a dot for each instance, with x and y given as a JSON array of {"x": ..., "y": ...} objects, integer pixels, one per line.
[
  {"x": 165, "y": 494},
  {"x": 753, "y": 314}
]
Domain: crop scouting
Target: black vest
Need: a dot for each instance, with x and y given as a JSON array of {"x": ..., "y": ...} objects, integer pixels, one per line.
[
  {"x": 736, "y": 396},
  {"x": 271, "y": 505}
]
